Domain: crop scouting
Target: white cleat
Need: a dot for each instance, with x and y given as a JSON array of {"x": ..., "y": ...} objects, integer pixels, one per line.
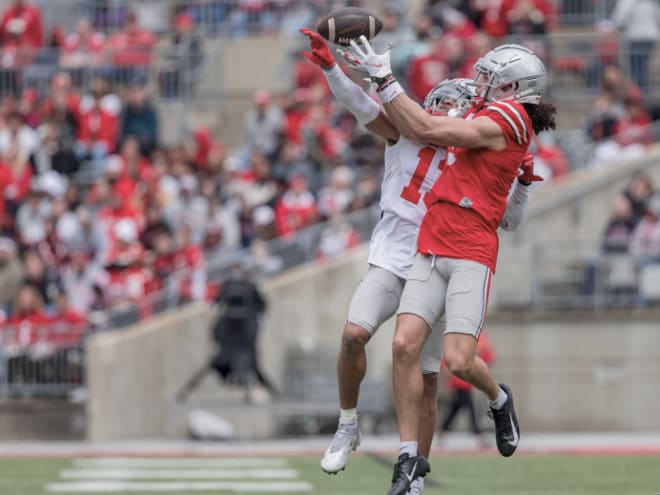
[
  {"x": 416, "y": 487},
  {"x": 345, "y": 441}
]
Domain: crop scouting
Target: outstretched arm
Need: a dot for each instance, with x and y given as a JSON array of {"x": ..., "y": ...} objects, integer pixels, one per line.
[
  {"x": 415, "y": 124},
  {"x": 409, "y": 118},
  {"x": 348, "y": 94},
  {"x": 517, "y": 203}
]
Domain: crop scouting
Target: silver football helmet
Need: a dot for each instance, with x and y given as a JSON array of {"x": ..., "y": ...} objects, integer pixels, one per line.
[
  {"x": 512, "y": 72},
  {"x": 450, "y": 97}
]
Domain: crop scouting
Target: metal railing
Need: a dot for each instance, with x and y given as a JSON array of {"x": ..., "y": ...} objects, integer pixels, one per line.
[
  {"x": 41, "y": 360},
  {"x": 578, "y": 275},
  {"x": 171, "y": 71},
  {"x": 583, "y": 12}
]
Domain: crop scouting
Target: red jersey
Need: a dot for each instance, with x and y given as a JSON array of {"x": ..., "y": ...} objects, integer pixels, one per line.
[
  {"x": 22, "y": 26},
  {"x": 97, "y": 125},
  {"x": 469, "y": 198},
  {"x": 132, "y": 49}
]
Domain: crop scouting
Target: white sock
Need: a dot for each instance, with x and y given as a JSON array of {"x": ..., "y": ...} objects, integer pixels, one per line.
[
  {"x": 409, "y": 448},
  {"x": 348, "y": 415},
  {"x": 499, "y": 402}
]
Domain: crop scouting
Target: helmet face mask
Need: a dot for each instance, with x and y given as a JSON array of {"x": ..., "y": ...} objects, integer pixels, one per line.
[
  {"x": 511, "y": 72},
  {"x": 450, "y": 97}
]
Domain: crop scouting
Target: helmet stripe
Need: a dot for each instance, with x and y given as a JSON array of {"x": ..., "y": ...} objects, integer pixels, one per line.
[{"x": 331, "y": 29}]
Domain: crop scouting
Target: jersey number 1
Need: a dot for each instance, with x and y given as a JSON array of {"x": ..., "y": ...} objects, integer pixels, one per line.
[{"x": 411, "y": 192}]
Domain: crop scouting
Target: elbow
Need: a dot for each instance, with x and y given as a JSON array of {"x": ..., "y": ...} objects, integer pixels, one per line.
[{"x": 510, "y": 223}]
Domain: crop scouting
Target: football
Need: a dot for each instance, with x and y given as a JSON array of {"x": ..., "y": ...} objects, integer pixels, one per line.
[{"x": 344, "y": 25}]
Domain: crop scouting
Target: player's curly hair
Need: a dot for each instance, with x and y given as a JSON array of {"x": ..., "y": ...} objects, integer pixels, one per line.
[{"x": 542, "y": 115}]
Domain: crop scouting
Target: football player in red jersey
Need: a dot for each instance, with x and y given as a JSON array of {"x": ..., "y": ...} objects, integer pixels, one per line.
[{"x": 457, "y": 244}]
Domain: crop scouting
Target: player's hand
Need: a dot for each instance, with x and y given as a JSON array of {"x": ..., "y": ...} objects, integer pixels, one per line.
[
  {"x": 361, "y": 57},
  {"x": 320, "y": 54},
  {"x": 527, "y": 175}
]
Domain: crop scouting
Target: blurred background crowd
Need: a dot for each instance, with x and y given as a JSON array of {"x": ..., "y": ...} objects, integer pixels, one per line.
[{"x": 99, "y": 212}]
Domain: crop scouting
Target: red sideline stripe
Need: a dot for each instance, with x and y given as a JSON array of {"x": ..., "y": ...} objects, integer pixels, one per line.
[{"x": 578, "y": 451}]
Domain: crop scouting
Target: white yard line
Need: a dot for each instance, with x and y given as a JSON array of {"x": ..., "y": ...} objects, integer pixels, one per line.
[
  {"x": 180, "y": 486},
  {"x": 194, "y": 462},
  {"x": 178, "y": 474}
]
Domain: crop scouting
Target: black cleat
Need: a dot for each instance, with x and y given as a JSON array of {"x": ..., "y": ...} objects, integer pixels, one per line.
[
  {"x": 507, "y": 432},
  {"x": 406, "y": 471}
]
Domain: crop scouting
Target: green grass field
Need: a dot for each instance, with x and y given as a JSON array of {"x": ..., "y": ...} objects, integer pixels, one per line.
[{"x": 459, "y": 475}]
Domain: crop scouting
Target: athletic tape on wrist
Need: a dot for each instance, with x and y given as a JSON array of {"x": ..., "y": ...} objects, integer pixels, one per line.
[{"x": 389, "y": 91}]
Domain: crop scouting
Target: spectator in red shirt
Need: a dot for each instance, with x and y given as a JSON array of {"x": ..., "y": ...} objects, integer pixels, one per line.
[
  {"x": 530, "y": 17},
  {"x": 493, "y": 16},
  {"x": 15, "y": 175},
  {"x": 296, "y": 109},
  {"x": 456, "y": 24},
  {"x": 296, "y": 209},
  {"x": 28, "y": 107},
  {"x": 97, "y": 135},
  {"x": 21, "y": 35},
  {"x": 21, "y": 25},
  {"x": 28, "y": 316},
  {"x": 84, "y": 48},
  {"x": 132, "y": 50},
  {"x": 425, "y": 71},
  {"x": 62, "y": 98},
  {"x": 133, "y": 164}
]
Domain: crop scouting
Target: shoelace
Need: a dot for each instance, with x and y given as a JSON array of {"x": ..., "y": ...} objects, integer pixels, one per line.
[{"x": 502, "y": 428}]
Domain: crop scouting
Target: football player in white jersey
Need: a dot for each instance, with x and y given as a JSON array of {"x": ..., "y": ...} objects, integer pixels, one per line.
[{"x": 410, "y": 171}]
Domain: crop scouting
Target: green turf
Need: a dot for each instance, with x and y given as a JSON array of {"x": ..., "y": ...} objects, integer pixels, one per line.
[{"x": 460, "y": 475}]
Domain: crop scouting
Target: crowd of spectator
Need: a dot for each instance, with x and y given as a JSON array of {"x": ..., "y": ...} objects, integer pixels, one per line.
[
  {"x": 630, "y": 250},
  {"x": 634, "y": 225},
  {"x": 619, "y": 120},
  {"x": 96, "y": 213}
]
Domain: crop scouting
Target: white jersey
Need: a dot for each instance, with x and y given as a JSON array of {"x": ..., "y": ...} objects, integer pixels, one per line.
[{"x": 411, "y": 170}]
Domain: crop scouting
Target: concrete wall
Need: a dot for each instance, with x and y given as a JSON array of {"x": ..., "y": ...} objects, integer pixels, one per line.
[
  {"x": 594, "y": 375},
  {"x": 133, "y": 375}
]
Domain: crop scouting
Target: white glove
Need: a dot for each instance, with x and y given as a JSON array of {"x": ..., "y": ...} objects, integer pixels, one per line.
[{"x": 361, "y": 57}]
